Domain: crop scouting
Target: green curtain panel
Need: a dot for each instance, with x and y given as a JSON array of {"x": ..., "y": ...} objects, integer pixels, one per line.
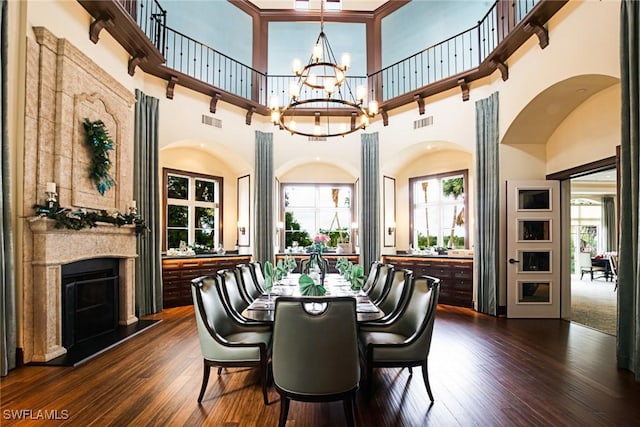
[
  {"x": 488, "y": 204},
  {"x": 609, "y": 232},
  {"x": 370, "y": 190},
  {"x": 264, "y": 225},
  {"x": 628, "y": 335},
  {"x": 7, "y": 284},
  {"x": 146, "y": 191}
]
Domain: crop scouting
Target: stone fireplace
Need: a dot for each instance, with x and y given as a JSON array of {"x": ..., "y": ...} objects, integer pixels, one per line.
[
  {"x": 64, "y": 87},
  {"x": 54, "y": 248}
]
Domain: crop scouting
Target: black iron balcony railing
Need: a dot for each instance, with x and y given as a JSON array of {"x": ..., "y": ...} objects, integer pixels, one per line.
[
  {"x": 150, "y": 17},
  {"x": 197, "y": 60},
  {"x": 438, "y": 62},
  {"x": 454, "y": 56},
  {"x": 438, "y": 66}
]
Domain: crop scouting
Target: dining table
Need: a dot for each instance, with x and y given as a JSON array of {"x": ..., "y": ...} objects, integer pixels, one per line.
[{"x": 262, "y": 309}]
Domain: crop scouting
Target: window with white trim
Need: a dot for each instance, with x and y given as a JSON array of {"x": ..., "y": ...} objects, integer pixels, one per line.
[
  {"x": 316, "y": 208},
  {"x": 193, "y": 209},
  {"x": 438, "y": 210}
]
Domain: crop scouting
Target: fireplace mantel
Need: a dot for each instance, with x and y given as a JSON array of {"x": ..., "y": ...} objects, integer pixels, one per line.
[
  {"x": 60, "y": 245},
  {"x": 54, "y": 247}
]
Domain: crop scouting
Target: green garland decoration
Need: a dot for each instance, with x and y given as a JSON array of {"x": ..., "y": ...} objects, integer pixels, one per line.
[
  {"x": 100, "y": 143},
  {"x": 79, "y": 219}
]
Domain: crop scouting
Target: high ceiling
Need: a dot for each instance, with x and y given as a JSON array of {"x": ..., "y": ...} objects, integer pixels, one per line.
[{"x": 361, "y": 5}]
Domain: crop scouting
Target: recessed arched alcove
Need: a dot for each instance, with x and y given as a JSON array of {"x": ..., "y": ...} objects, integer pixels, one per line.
[
  {"x": 208, "y": 158},
  {"x": 540, "y": 117},
  {"x": 422, "y": 159}
]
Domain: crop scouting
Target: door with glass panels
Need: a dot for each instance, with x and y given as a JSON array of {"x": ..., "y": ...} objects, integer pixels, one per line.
[{"x": 533, "y": 249}]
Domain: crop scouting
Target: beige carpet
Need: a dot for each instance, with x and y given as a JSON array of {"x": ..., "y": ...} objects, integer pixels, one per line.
[{"x": 594, "y": 304}]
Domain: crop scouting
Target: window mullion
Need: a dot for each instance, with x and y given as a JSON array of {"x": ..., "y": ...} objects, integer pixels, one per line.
[{"x": 192, "y": 210}]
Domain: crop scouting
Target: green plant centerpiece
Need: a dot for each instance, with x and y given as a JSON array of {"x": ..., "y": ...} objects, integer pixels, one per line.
[
  {"x": 309, "y": 288},
  {"x": 320, "y": 240},
  {"x": 100, "y": 143}
]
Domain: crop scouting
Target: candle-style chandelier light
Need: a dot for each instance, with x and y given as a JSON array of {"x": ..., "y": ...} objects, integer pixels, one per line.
[{"x": 321, "y": 91}]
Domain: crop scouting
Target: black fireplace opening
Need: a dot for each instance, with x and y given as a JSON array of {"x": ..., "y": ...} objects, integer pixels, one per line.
[{"x": 89, "y": 300}]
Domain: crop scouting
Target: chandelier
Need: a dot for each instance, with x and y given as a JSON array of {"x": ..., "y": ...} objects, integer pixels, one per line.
[{"x": 321, "y": 91}]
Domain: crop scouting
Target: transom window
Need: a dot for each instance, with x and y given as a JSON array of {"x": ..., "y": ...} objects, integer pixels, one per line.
[
  {"x": 438, "y": 210},
  {"x": 193, "y": 209},
  {"x": 316, "y": 208}
]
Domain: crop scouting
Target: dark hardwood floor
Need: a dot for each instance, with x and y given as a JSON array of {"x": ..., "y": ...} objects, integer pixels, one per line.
[{"x": 485, "y": 371}]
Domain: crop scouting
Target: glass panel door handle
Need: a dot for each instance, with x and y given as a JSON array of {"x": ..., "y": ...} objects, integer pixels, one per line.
[{"x": 513, "y": 261}]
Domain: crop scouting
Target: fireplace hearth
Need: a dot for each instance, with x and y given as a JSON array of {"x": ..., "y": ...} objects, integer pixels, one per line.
[{"x": 89, "y": 300}]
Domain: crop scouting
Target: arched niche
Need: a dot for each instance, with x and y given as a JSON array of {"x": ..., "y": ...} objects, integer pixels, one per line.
[
  {"x": 208, "y": 159},
  {"x": 440, "y": 158}
]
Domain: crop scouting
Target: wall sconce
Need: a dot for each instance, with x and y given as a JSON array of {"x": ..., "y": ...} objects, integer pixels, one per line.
[
  {"x": 391, "y": 228},
  {"x": 241, "y": 228}
]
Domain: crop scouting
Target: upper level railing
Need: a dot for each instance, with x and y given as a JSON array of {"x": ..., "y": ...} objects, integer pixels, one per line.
[
  {"x": 459, "y": 54},
  {"x": 195, "y": 59},
  {"x": 462, "y": 52},
  {"x": 150, "y": 17}
]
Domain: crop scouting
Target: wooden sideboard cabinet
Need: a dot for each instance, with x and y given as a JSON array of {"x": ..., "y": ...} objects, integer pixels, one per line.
[
  {"x": 177, "y": 273},
  {"x": 455, "y": 274},
  {"x": 330, "y": 257}
]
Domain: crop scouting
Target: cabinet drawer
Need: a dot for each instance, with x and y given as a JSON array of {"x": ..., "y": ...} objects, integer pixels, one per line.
[
  {"x": 178, "y": 273},
  {"x": 456, "y": 275}
]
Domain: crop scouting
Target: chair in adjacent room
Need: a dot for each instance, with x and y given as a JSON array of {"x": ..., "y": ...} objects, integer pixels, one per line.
[
  {"x": 586, "y": 266},
  {"x": 315, "y": 353},
  {"x": 406, "y": 341},
  {"x": 613, "y": 266},
  {"x": 225, "y": 343}
]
